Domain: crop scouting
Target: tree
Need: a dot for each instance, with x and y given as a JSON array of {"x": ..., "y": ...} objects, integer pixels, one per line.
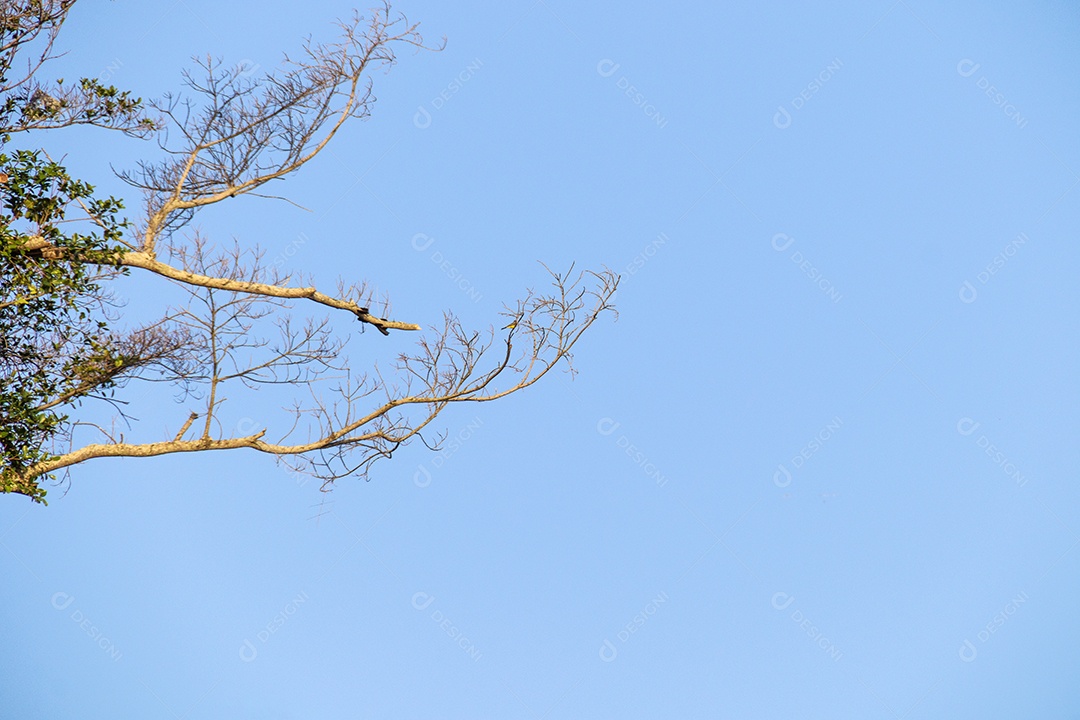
[{"x": 230, "y": 134}]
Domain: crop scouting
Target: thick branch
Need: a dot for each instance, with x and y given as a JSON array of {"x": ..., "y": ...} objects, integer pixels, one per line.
[
  {"x": 148, "y": 262},
  {"x": 445, "y": 368},
  {"x": 38, "y": 247}
]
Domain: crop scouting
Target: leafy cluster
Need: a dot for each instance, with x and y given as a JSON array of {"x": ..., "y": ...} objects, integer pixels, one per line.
[
  {"x": 54, "y": 342},
  {"x": 229, "y": 135},
  {"x": 28, "y": 29}
]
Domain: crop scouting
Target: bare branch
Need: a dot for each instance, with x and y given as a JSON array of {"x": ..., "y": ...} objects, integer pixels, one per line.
[
  {"x": 237, "y": 133},
  {"x": 444, "y": 371},
  {"x": 187, "y": 424},
  {"x": 233, "y": 331},
  {"x": 363, "y": 314}
]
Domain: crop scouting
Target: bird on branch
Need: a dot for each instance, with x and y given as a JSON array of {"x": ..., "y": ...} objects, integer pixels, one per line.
[{"x": 364, "y": 315}]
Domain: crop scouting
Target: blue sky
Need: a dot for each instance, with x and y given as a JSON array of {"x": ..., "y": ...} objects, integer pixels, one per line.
[{"x": 824, "y": 464}]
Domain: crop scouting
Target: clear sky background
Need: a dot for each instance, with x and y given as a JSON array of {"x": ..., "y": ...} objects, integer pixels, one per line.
[{"x": 824, "y": 464}]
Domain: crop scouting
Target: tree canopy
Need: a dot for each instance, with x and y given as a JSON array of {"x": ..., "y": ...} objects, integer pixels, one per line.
[{"x": 66, "y": 347}]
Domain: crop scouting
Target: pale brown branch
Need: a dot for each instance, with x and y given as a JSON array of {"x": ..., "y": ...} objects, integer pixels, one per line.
[
  {"x": 187, "y": 424},
  {"x": 249, "y": 133},
  {"x": 148, "y": 262}
]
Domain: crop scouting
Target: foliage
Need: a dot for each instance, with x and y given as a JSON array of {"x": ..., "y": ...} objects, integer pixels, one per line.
[
  {"x": 230, "y": 135},
  {"x": 54, "y": 341}
]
